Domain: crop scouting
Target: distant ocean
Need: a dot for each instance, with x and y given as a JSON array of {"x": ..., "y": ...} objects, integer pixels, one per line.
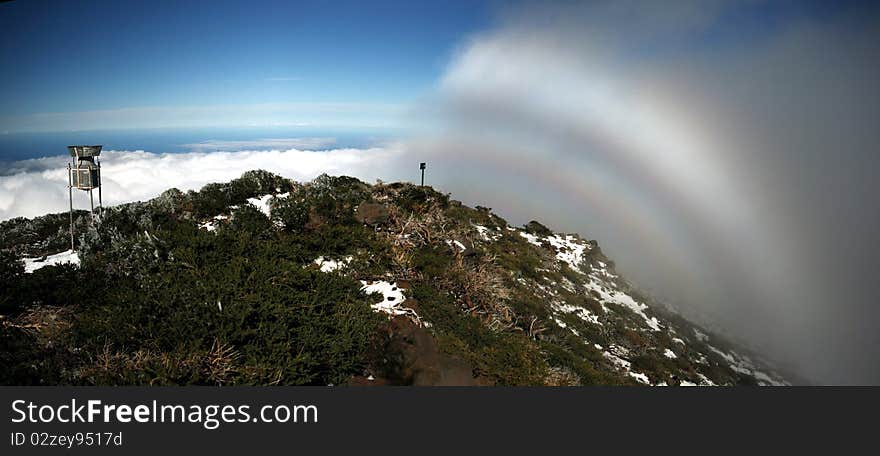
[{"x": 24, "y": 146}]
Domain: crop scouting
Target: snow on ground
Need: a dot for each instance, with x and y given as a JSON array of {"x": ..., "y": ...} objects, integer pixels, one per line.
[
  {"x": 617, "y": 361},
  {"x": 745, "y": 366},
  {"x": 582, "y": 313},
  {"x": 623, "y": 299},
  {"x": 392, "y": 299},
  {"x": 211, "y": 225},
  {"x": 640, "y": 377},
  {"x": 565, "y": 326},
  {"x": 328, "y": 265},
  {"x": 568, "y": 285},
  {"x": 534, "y": 240},
  {"x": 392, "y": 295},
  {"x": 705, "y": 380},
  {"x": 603, "y": 270},
  {"x": 68, "y": 257},
  {"x": 262, "y": 202},
  {"x": 486, "y": 234},
  {"x": 568, "y": 250},
  {"x": 456, "y": 243}
]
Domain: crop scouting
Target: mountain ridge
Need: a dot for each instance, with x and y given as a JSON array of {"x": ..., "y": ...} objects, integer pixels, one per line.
[{"x": 263, "y": 280}]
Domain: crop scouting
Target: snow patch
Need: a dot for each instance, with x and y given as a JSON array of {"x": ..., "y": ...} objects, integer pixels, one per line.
[
  {"x": 392, "y": 299},
  {"x": 642, "y": 378},
  {"x": 328, "y": 265},
  {"x": 669, "y": 354},
  {"x": 565, "y": 326},
  {"x": 211, "y": 225},
  {"x": 486, "y": 234},
  {"x": 455, "y": 243},
  {"x": 743, "y": 365},
  {"x": 263, "y": 202},
  {"x": 534, "y": 240},
  {"x": 705, "y": 380},
  {"x": 67, "y": 257},
  {"x": 625, "y": 300},
  {"x": 617, "y": 361},
  {"x": 582, "y": 313},
  {"x": 568, "y": 250}
]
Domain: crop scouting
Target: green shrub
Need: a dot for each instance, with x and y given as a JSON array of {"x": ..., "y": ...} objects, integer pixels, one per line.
[
  {"x": 11, "y": 273},
  {"x": 292, "y": 212},
  {"x": 433, "y": 261},
  {"x": 507, "y": 358},
  {"x": 247, "y": 218},
  {"x": 288, "y": 324}
]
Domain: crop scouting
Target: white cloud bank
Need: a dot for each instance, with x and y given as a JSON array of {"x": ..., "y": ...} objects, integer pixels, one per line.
[{"x": 40, "y": 186}]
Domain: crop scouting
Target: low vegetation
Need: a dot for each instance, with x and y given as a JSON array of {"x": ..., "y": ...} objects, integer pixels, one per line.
[{"x": 219, "y": 287}]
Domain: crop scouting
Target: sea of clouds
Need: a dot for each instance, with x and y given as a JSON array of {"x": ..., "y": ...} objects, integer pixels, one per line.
[{"x": 39, "y": 186}]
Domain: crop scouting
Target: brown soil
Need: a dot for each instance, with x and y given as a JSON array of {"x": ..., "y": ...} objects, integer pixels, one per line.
[
  {"x": 372, "y": 214},
  {"x": 410, "y": 356}
]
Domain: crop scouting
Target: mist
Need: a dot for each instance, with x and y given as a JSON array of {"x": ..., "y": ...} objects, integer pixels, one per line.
[{"x": 728, "y": 173}]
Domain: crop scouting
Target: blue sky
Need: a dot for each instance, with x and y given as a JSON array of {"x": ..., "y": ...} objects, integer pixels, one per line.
[
  {"x": 324, "y": 57},
  {"x": 99, "y": 65}
]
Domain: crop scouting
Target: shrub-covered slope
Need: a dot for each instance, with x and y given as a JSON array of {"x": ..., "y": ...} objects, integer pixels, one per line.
[{"x": 267, "y": 281}]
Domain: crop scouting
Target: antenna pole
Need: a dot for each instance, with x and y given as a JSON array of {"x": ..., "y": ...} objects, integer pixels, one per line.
[
  {"x": 92, "y": 202},
  {"x": 70, "y": 192},
  {"x": 100, "y": 201}
]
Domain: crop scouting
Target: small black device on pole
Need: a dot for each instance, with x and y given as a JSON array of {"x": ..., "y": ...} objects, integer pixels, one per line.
[{"x": 422, "y": 166}]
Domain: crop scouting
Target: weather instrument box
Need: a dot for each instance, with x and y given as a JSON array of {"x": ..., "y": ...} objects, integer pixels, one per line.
[
  {"x": 84, "y": 173},
  {"x": 85, "y": 178}
]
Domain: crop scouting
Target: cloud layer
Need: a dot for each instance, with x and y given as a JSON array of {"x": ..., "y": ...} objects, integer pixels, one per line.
[{"x": 40, "y": 186}]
